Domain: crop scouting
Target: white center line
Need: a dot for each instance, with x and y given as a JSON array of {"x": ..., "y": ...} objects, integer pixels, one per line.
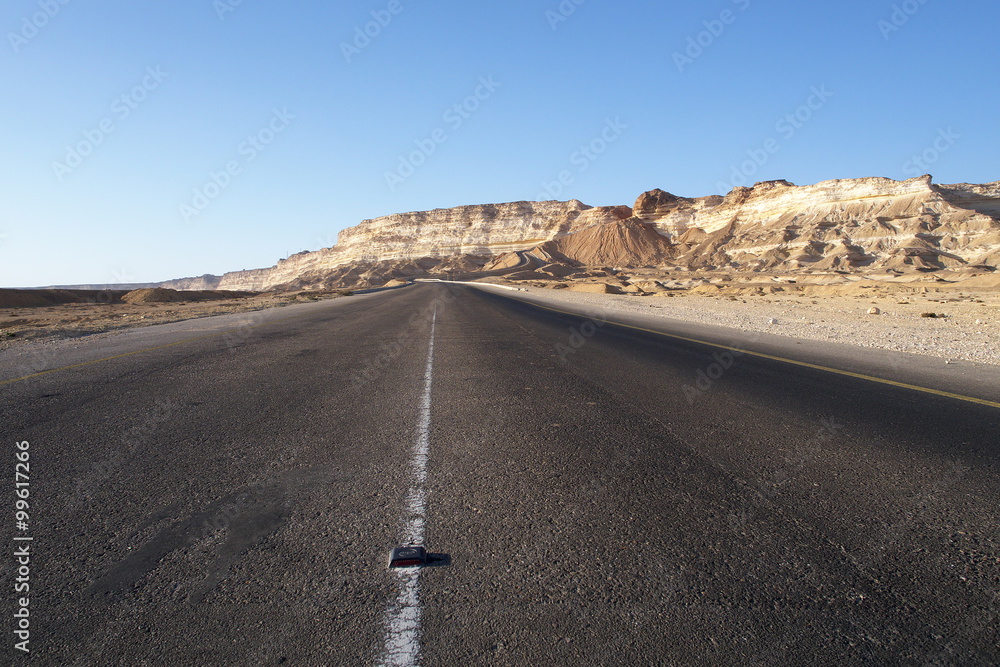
[{"x": 402, "y": 618}]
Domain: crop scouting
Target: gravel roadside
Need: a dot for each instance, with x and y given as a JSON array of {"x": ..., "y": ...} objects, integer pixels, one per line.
[{"x": 969, "y": 330}]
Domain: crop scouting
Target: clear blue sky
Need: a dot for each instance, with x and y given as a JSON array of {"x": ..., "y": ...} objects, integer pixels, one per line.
[{"x": 200, "y": 77}]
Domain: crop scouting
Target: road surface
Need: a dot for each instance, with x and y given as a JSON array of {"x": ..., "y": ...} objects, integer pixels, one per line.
[{"x": 227, "y": 491}]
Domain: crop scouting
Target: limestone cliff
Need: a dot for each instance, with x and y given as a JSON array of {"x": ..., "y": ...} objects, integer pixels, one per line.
[
  {"x": 413, "y": 238},
  {"x": 851, "y": 225},
  {"x": 205, "y": 282},
  {"x": 862, "y": 223}
]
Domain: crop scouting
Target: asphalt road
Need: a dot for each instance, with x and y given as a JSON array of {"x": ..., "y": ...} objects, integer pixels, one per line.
[{"x": 227, "y": 491}]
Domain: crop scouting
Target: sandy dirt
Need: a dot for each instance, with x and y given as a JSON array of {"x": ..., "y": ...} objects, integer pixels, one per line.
[
  {"x": 19, "y": 326},
  {"x": 966, "y": 326}
]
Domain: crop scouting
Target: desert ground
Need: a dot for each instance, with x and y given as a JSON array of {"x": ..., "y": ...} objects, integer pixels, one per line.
[
  {"x": 968, "y": 329},
  {"x": 953, "y": 320},
  {"x": 957, "y": 320},
  {"x": 110, "y": 311}
]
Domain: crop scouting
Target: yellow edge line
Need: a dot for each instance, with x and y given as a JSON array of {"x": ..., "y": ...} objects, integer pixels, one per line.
[
  {"x": 805, "y": 364},
  {"x": 150, "y": 349}
]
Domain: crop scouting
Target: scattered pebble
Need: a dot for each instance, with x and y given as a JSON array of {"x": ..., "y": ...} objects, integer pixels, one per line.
[{"x": 828, "y": 320}]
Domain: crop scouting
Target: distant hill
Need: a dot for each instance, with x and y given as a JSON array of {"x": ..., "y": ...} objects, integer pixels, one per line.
[
  {"x": 851, "y": 226},
  {"x": 856, "y": 226},
  {"x": 205, "y": 282}
]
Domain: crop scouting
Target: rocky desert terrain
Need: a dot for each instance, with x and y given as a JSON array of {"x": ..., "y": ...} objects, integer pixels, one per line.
[
  {"x": 72, "y": 314},
  {"x": 952, "y": 322},
  {"x": 906, "y": 265}
]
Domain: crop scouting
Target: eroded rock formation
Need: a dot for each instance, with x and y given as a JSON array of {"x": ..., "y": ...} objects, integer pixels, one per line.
[
  {"x": 867, "y": 223},
  {"x": 857, "y": 225}
]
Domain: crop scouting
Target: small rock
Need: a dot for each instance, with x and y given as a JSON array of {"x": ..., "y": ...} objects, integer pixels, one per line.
[
  {"x": 772, "y": 321},
  {"x": 874, "y": 311}
]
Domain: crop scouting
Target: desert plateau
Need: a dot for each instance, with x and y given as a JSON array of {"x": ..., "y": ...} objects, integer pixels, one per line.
[{"x": 902, "y": 265}]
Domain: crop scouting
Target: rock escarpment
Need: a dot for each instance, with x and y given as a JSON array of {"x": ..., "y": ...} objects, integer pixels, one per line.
[
  {"x": 205, "y": 282},
  {"x": 408, "y": 244},
  {"x": 868, "y": 223},
  {"x": 856, "y": 225}
]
